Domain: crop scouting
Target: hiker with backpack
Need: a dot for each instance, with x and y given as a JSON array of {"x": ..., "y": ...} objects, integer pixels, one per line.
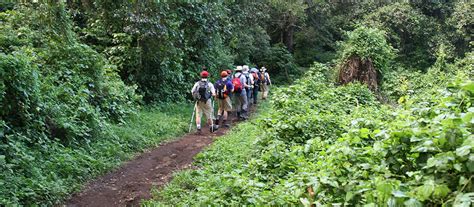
[
  {"x": 240, "y": 94},
  {"x": 248, "y": 83},
  {"x": 256, "y": 83},
  {"x": 223, "y": 88},
  {"x": 265, "y": 82},
  {"x": 202, "y": 92}
]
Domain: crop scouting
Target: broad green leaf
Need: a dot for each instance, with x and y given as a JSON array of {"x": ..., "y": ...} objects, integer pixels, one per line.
[
  {"x": 441, "y": 191},
  {"x": 469, "y": 87},
  {"x": 364, "y": 133},
  {"x": 305, "y": 202},
  {"x": 463, "y": 151},
  {"x": 413, "y": 203},
  {"x": 399, "y": 194}
]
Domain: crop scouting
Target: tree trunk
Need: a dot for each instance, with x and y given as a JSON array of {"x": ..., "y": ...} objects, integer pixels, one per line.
[{"x": 289, "y": 36}]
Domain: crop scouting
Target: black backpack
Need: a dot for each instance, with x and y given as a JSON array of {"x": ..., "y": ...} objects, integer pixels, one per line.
[
  {"x": 247, "y": 77},
  {"x": 221, "y": 89},
  {"x": 202, "y": 93},
  {"x": 257, "y": 81}
]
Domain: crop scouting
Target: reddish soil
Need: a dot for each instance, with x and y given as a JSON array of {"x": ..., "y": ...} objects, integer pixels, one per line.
[{"x": 133, "y": 181}]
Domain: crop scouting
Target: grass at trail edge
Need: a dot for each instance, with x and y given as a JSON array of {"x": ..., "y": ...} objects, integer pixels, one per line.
[{"x": 60, "y": 170}]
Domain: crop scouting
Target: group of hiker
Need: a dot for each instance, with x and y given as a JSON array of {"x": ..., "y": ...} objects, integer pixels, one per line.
[{"x": 240, "y": 87}]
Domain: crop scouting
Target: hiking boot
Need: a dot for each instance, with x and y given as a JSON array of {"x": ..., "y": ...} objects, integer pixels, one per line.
[
  {"x": 216, "y": 121},
  {"x": 198, "y": 132},
  {"x": 213, "y": 128},
  {"x": 244, "y": 115},
  {"x": 226, "y": 125}
]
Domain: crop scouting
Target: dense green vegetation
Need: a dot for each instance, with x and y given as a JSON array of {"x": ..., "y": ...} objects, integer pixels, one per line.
[
  {"x": 84, "y": 85},
  {"x": 324, "y": 144},
  {"x": 50, "y": 171},
  {"x": 406, "y": 143},
  {"x": 71, "y": 71}
]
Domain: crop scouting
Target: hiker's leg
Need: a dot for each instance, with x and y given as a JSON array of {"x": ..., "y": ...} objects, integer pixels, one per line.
[
  {"x": 219, "y": 117},
  {"x": 265, "y": 91},
  {"x": 220, "y": 108},
  {"x": 255, "y": 94},
  {"x": 249, "y": 96},
  {"x": 238, "y": 103},
  {"x": 241, "y": 105},
  {"x": 198, "y": 115},
  {"x": 208, "y": 110},
  {"x": 231, "y": 98},
  {"x": 227, "y": 106},
  {"x": 224, "y": 115},
  {"x": 244, "y": 107}
]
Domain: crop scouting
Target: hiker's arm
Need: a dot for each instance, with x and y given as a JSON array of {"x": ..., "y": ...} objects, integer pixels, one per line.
[
  {"x": 243, "y": 81},
  {"x": 213, "y": 90},
  {"x": 269, "y": 80},
  {"x": 194, "y": 88},
  {"x": 231, "y": 86}
]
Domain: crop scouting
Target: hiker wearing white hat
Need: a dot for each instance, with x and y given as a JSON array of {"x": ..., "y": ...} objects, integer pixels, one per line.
[
  {"x": 248, "y": 83},
  {"x": 240, "y": 94},
  {"x": 265, "y": 82}
]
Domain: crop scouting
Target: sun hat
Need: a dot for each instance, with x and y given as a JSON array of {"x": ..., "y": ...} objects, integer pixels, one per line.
[{"x": 224, "y": 74}]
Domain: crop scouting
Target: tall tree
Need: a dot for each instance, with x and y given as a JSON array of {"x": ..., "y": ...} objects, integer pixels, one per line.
[{"x": 287, "y": 17}]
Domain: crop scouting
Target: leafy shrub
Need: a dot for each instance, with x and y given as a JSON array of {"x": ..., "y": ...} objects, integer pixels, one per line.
[
  {"x": 19, "y": 89},
  {"x": 402, "y": 82},
  {"x": 368, "y": 44}
]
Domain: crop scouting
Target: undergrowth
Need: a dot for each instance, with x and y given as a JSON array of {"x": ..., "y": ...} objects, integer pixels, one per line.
[
  {"x": 49, "y": 174},
  {"x": 337, "y": 145}
]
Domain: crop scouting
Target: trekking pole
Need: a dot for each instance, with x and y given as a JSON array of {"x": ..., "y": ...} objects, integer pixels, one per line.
[
  {"x": 212, "y": 118},
  {"x": 192, "y": 117}
]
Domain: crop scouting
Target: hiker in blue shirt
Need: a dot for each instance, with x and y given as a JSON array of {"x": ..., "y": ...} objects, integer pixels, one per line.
[{"x": 223, "y": 88}]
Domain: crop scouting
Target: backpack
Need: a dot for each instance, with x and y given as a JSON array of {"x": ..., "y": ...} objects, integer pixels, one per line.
[
  {"x": 202, "y": 93},
  {"x": 262, "y": 77},
  {"x": 265, "y": 74},
  {"x": 247, "y": 77},
  {"x": 221, "y": 89},
  {"x": 237, "y": 84},
  {"x": 256, "y": 79},
  {"x": 255, "y": 76}
]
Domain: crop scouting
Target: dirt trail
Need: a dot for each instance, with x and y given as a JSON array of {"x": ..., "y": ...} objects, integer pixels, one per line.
[{"x": 132, "y": 182}]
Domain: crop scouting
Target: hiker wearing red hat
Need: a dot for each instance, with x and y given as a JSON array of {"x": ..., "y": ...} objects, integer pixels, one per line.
[
  {"x": 223, "y": 88},
  {"x": 204, "y": 74},
  {"x": 202, "y": 92}
]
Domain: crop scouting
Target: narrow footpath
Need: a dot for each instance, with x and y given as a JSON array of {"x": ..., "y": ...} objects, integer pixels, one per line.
[{"x": 132, "y": 182}]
